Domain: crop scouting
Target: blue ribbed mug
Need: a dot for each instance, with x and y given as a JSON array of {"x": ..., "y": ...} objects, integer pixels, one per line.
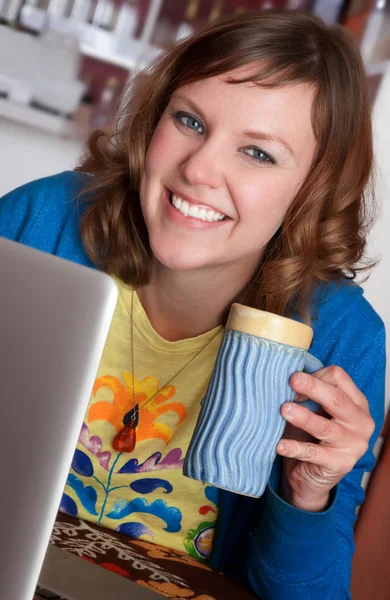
[{"x": 239, "y": 425}]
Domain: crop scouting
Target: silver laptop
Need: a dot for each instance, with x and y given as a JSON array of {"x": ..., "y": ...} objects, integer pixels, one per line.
[{"x": 54, "y": 320}]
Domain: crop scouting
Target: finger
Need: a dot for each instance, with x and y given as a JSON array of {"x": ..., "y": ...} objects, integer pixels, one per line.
[
  {"x": 328, "y": 458},
  {"x": 325, "y": 430},
  {"x": 293, "y": 433},
  {"x": 337, "y": 377},
  {"x": 318, "y": 410},
  {"x": 300, "y": 398},
  {"x": 332, "y": 398}
]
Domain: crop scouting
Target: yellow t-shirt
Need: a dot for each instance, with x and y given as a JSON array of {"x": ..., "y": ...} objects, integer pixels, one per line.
[{"x": 144, "y": 494}]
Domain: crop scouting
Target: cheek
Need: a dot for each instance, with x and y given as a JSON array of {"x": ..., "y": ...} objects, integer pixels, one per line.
[
  {"x": 159, "y": 151},
  {"x": 267, "y": 198}
]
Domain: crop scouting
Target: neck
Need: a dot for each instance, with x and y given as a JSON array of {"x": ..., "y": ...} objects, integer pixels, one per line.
[{"x": 183, "y": 304}]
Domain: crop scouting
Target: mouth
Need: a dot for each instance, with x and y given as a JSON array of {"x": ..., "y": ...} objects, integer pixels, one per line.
[{"x": 195, "y": 211}]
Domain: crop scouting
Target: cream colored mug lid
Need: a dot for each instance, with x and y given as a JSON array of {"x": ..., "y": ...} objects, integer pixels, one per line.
[{"x": 269, "y": 326}]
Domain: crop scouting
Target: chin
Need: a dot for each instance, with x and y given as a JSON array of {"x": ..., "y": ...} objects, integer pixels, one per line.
[{"x": 176, "y": 260}]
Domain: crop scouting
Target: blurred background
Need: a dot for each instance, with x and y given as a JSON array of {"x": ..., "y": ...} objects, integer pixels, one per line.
[{"x": 64, "y": 63}]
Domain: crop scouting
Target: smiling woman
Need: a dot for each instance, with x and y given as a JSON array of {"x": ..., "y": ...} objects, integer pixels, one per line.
[
  {"x": 284, "y": 109},
  {"x": 237, "y": 171}
]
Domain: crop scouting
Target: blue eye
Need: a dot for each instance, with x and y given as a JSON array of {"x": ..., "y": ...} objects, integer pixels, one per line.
[
  {"x": 189, "y": 121},
  {"x": 259, "y": 155}
]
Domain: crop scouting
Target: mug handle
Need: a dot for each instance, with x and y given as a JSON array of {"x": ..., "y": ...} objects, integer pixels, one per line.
[{"x": 311, "y": 365}]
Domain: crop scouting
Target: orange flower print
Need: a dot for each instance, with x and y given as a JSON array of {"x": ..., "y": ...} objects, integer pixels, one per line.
[{"x": 122, "y": 403}]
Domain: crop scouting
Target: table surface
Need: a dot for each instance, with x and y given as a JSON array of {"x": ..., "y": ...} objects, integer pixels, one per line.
[{"x": 169, "y": 572}]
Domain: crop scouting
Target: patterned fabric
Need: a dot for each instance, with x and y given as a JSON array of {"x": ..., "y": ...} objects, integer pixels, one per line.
[
  {"x": 143, "y": 494},
  {"x": 170, "y": 573}
]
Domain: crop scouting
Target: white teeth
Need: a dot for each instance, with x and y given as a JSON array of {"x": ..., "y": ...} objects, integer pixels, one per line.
[
  {"x": 193, "y": 211},
  {"x": 176, "y": 201},
  {"x": 184, "y": 208}
]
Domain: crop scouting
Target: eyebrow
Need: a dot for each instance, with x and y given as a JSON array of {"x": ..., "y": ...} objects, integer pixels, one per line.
[
  {"x": 255, "y": 135},
  {"x": 260, "y": 135},
  {"x": 190, "y": 103}
]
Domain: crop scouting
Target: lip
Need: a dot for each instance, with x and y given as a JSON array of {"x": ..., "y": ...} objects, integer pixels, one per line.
[
  {"x": 178, "y": 218},
  {"x": 195, "y": 202}
]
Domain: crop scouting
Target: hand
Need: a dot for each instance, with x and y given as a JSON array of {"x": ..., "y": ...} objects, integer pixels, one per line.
[{"x": 321, "y": 448}]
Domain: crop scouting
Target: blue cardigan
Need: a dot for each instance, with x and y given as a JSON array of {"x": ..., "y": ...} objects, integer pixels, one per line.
[{"x": 274, "y": 549}]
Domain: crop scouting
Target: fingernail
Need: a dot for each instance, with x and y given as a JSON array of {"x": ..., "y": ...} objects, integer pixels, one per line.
[
  {"x": 301, "y": 379},
  {"x": 281, "y": 447},
  {"x": 290, "y": 409}
]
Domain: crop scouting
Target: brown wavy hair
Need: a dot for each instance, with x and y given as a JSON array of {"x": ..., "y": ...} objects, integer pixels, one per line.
[{"x": 323, "y": 236}]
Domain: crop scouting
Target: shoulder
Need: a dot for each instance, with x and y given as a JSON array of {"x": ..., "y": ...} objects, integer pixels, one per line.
[
  {"x": 45, "y": 214},
  {"x": 22, "y": 209},
  {"x": 345, "y": 304},
  {"x": 67, "y": 183},
  {"x": 349, "y": 333}
]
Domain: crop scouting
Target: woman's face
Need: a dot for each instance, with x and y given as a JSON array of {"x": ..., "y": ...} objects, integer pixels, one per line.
[{"x": 222, "y": 168}]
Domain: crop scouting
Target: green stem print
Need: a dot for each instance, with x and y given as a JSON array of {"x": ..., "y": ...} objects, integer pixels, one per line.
[{"x": 107, "y": 489}]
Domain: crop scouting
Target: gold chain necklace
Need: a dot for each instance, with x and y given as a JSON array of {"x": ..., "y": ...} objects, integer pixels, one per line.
[{"x": 126, "y": 438}]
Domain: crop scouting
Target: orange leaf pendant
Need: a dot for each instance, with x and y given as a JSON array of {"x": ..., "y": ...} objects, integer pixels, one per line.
[{"x": 124, "y": 441}]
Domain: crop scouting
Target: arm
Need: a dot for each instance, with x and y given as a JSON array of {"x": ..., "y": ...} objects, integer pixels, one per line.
[{"x": 299, "y": 554}]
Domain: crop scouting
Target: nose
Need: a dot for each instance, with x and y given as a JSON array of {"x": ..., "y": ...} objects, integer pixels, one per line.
[{"x": 203, "y": 166}]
